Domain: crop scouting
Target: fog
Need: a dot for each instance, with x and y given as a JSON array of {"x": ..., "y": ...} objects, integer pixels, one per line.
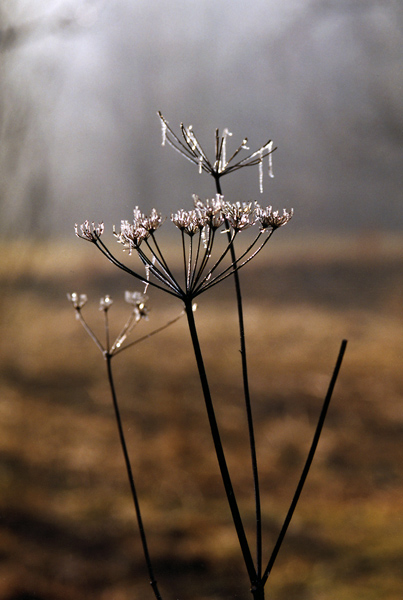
[{"x": 81, "y": 82}]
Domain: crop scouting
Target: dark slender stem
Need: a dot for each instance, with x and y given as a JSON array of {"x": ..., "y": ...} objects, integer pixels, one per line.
[
  {"x": 107, "y": 340},
  {"x": 161, "y": 258},
  {"x": 190, "y": 259},
  {"x": 203, "y": 280},
  {"x": 170, "y": 289},
  {"x": 218, "y": 446},
  {"x": 195, "y": 262},
  {"x": 184, "y": 257},
  {"x": 156, "y": 263},
  {"x": 248, "y": 406},
  {"x": 153, "y": 582},
  {"x": 307, "y": 463},
  {"x": 208, "y": 283}
]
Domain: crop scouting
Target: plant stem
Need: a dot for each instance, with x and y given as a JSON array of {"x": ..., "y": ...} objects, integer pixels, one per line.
[
  {"x": 153, "y": 582},
  {"x": 218, "y": 446},
  {"x": 307, "y": 463},
  {"x": 248, "y": 405}
]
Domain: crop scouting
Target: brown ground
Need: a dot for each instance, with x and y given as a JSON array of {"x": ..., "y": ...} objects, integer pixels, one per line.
[{"x": 67, "y": 528}]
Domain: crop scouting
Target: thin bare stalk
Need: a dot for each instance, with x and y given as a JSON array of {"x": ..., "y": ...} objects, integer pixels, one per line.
[
  {"x": 202, "y": 280},
  {"x": 161, "y": 257},
  {"x": 190, "y": 260},
  {"x": 107, "y": 336},
  {"x": 131, "y": 322},
  {"x": 248, "y": 406},
  {"x": 208, "y": 283},
  {"x": 219, "y": 448},
  {"x": 196, "y": 260},
  {"x": 153, "y": 581},
  {"x": 308, "y": 463}
]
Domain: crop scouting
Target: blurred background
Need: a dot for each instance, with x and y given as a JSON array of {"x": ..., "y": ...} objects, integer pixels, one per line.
[{"x": 81, "y": 82}]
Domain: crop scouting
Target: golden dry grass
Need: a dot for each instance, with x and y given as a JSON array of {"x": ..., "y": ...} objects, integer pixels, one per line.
[{"x": 67, "y": 527}]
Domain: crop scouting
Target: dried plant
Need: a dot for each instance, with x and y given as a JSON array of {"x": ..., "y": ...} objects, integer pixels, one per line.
[{"x": 208, "y": 258}]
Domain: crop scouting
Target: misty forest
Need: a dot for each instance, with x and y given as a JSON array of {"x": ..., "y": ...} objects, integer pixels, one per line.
[{"x": 201, "y": 326}]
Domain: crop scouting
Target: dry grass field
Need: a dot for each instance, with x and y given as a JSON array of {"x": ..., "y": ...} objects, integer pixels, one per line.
[{"x": 67, "y": 527}]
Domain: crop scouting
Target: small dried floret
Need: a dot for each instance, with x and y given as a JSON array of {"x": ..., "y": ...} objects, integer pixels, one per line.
[
  {"x": 270, "y": 219},
  {"x": 239, "y": 215},
  {"x": 105, "y": 303},
  {"x": 211, "y": 210},
  {"x": 189, "y": 221},
  {"x": 130, "y": 235},
  {"x": 89, "y": 231},
  {"x": 138, "y": 217},
  {"x": 78, "y": 300},
  {"x": 153, "y": 221},
  {"x": 139, "y": 301}
]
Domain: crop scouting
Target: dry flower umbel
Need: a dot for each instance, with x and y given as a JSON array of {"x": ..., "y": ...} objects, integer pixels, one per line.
[{"x": 203, "y": 267}]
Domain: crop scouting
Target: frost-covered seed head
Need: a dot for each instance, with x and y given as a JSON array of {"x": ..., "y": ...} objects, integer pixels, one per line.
[
  {"x": 138, "y": 217},
  {"x": 270, "y": 219},
  {"x": 189, "y": 221},
  {"x": 190, "y": 147},
  {"x": 239, "y": 215},
  {"x": 130, "y": 235},
  {"x": 89, "y": 231},
  {"x": 211, "y": 210},
  {"x": 153, "y": 221}
]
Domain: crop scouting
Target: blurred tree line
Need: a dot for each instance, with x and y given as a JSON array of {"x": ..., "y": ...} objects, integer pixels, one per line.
[{"x": 81, "y": 82}]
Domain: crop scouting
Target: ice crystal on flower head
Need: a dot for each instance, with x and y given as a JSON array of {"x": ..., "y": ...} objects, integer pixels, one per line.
[
  {"x": 130, "y": 235},
  {"x": 270, "y": 219},
  {"x": 77, "y": 300},
  {"x": 211, "y": 210},
  {"x": 153, "y": 221},
  {"x": 189, "y": 146},
  {"x": 239, "y": 215},
  {"x": 150, "y": 223},
  {"x": 188, "y": 221},
  {"x": 89, "y": 231}
]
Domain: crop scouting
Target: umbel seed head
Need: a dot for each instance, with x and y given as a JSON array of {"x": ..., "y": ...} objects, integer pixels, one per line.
[
  {"x": 77, "y": 300},
  {"x": 188, "y": 145}
]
